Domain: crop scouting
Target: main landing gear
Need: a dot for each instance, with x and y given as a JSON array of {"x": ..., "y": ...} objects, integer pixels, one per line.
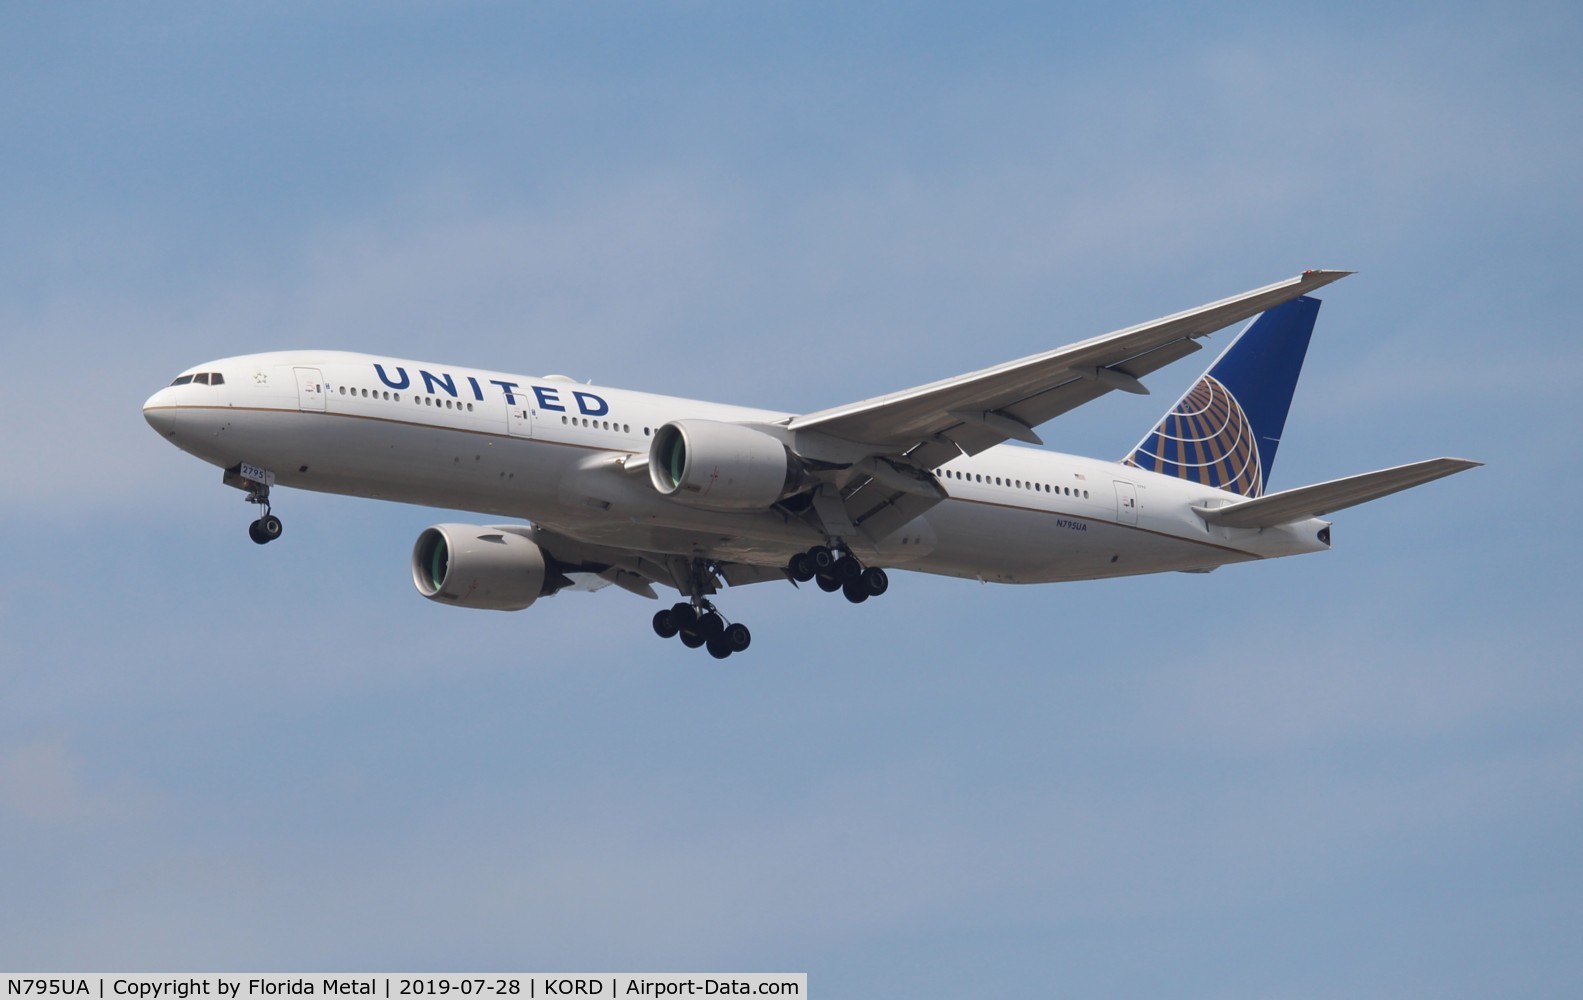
[
  {"x": 696, "y": 622},
  {"x": 699, "y": 624},
  {"x": 835, "y": 569}
]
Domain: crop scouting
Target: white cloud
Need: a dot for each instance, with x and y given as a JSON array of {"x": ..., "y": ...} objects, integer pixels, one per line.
[{"x": 43, "y": 784}]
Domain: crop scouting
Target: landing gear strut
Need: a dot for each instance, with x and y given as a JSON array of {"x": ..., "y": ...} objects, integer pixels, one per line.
[
  {"x": 255, "y": 482},
  {"x": 835, "y": 570}
]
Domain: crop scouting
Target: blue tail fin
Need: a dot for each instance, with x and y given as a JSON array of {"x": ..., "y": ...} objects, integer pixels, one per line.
[{"x": 1224, "y": 432}]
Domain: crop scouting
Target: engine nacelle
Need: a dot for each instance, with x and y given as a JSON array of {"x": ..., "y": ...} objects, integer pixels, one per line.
[
  {"x": 720, "y": 466},
  {"x": 474, "y": 566}
]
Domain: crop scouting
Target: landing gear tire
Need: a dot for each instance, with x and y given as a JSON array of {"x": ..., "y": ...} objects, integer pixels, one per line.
[
  {"x": 710, "y": 626},
  {"x": 822, "y": 558},
  {"x": 683, "y": 615},
  {"x": 874, "y": 581},
  {"x": 266, "y": 529},
  {"x": 855, "y": 591},
  {"x": 800, "y": 567},
  {"x": 847, "y": 569},
  {"x": 737, "y": 637},
  {"x": 665, "y": 624},
  {"x": 691, "y": 639},
  {"x": 827, "y": 583},
  {"x": 719, "y": 647}
]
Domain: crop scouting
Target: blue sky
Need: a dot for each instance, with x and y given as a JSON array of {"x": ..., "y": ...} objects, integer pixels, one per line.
[{"x": 1354, "y": 774}]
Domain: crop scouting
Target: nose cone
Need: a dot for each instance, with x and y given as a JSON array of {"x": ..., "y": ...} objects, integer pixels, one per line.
[{"x": 160, "y": 412}]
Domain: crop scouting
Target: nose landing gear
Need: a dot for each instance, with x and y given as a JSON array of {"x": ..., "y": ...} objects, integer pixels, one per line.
[{"x": 255, "y": 482}]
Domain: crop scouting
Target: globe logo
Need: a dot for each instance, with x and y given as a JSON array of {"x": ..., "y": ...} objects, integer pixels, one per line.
[{"x": 1206, "y": 438}]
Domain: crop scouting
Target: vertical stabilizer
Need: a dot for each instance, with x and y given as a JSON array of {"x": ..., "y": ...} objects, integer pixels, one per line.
[{"x": 1224, "y": 431}]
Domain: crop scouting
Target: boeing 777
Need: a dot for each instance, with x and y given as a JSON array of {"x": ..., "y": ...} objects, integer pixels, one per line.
[{"x": 609, "y": 486}]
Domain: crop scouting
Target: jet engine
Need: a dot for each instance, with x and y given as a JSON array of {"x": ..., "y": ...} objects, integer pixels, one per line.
[
  {"x": 474, "y": 566},
  {"x": 721, "y": 466}
]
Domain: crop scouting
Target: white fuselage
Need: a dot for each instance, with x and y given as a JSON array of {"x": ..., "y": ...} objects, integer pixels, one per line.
[{"x": 551, "y": 451}]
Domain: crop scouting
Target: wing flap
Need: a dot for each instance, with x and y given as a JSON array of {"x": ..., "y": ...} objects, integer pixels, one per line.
[{"x": 1323, "y": 498}]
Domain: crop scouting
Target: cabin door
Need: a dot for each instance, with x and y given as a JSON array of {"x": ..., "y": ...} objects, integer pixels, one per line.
[
  {"x": 1126, "y": 503},
  {"x": 519, "y": 417},
  {"x": 310, "y": 389}
]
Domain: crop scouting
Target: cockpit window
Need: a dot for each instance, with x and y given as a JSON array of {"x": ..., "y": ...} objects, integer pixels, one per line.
[
  {"x": 182, "y": 380},
  {"x": 202, "y": 379},
  {"x": 215, "y": 378}
]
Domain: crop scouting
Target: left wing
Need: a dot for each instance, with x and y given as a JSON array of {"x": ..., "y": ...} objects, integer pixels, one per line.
[
  {"x": 882, "y": 450},
  {"x": 931, "y": 424}
]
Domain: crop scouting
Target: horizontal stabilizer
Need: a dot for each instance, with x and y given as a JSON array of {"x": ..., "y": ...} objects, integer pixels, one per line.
[{"x": 1322, "y": 498}]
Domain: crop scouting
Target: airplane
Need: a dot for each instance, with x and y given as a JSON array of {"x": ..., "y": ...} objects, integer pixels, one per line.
[{"x": 609, "y": 486}]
